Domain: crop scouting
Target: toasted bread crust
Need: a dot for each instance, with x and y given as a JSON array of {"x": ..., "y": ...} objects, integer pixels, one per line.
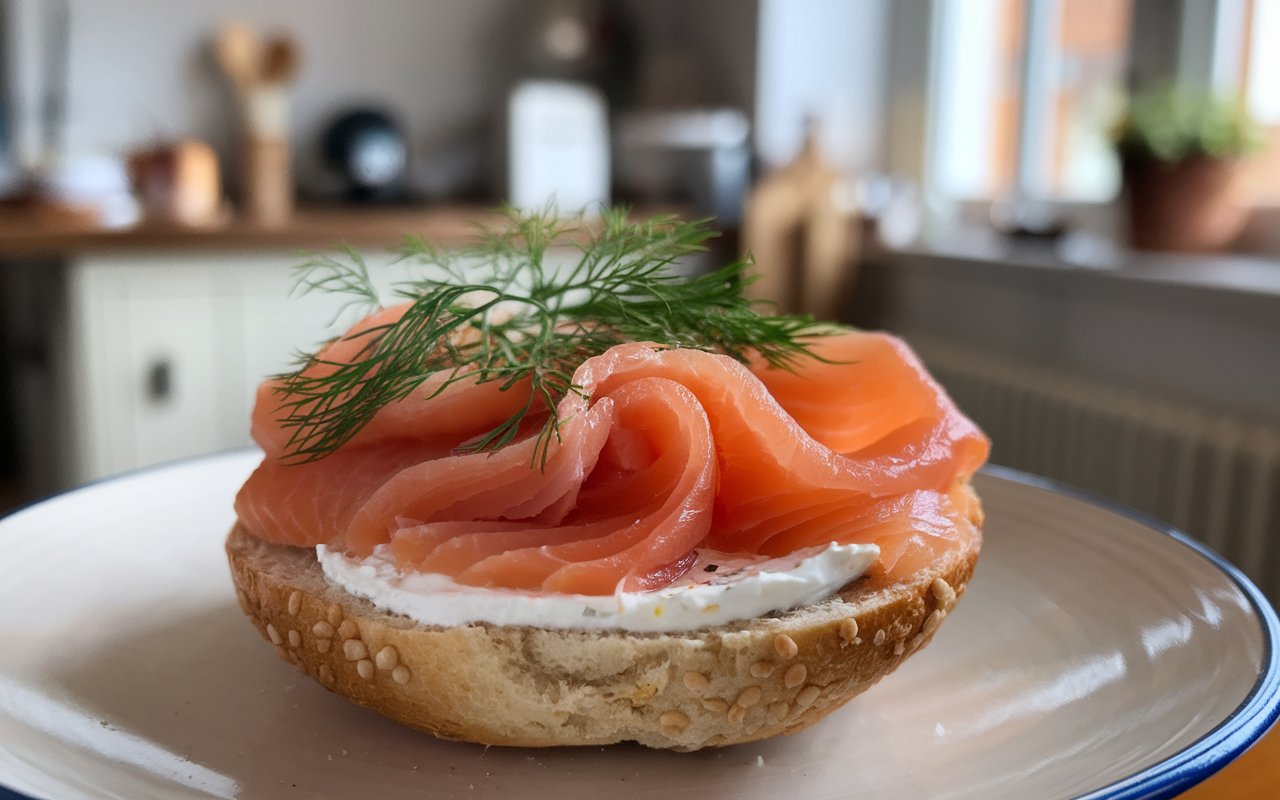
[{"x": 529, "y": 687}]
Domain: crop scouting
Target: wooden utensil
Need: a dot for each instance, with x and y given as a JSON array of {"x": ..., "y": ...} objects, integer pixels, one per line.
[
  {"x": 280, "y": 60},
  {"x": 239, "y": 55},
  {"x": 261, "y": 73}
]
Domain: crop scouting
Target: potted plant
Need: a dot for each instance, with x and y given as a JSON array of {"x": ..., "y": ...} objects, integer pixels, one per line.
[{"x": 1180, "y": 154}]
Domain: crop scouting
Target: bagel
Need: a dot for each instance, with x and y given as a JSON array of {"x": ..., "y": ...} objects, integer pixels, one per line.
[{"x": 530, "y": 687}]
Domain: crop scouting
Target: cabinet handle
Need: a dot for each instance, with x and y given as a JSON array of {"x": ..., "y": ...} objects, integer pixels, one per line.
[{"x": 160, "y": 381}]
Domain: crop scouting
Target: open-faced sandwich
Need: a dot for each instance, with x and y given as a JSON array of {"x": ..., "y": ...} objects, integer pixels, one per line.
[{"x": 601, "y": 503}]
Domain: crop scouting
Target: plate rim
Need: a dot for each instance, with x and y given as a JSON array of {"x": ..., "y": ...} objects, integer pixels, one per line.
[
  {"x": 1246, "y": 724},
  {"x": 1230, "y": 738}
]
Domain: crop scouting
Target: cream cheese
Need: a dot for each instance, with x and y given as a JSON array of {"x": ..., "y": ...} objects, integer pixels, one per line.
[{"x": 719, "y": 588}]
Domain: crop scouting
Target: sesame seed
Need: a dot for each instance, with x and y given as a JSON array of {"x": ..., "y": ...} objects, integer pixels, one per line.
[
  {"x": 785, "y": 645},
  {"x": 932, "y": 622},
  {"x": 348, "y": 629},
  {"x": 916, "y": 641},
  {"x": 295, "y": 603},
  {"x": 848, "y": 630},
  {"x": 295, "y": 638},
  {"x": 673, "y": 721},
  {"x": 273, "y": 634},
  {"x": 943, "y": 593},
  {"x": 778, "y": 711},
  {"x": 322, "y": 628},
  {"x": 899, "y": 647},
  {"x": 749, "y": 697},
  {"x": 280, "y": 651},
  {"x": 761, "y": 669},
  {"x": 736, "y": 716},
  {"x": 354, "y": 650},
  {"x": 696, "y": 682},
  {"x": 364, "y": 668},
  {"x": 326, "y": 674},
  {"x": 879, "y": 639},
  {"x": 401, "y": 674},
  {"x": 335, "y": 614},
  {"x": 795, "y": 676},
  {"x": 715, "y": 704},
  {"x": 322, "y": 645},
  {"x": 806, "y": 696},
  {"x": 387, "y": 658}
]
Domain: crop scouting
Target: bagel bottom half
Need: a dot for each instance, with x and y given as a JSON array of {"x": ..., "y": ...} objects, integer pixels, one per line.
[{"x": 530, "y": 687}]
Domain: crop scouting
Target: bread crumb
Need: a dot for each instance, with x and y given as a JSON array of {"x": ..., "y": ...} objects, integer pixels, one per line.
[{"x": 759, "y": 761}]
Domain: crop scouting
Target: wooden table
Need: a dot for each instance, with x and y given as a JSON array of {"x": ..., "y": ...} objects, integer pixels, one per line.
[{"x": 1253, "y": 776}]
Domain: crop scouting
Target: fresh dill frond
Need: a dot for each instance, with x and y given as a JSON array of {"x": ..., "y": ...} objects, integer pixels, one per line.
[
  {"x": 497, "y": 310},
  {"x": 323, "y": 273}
]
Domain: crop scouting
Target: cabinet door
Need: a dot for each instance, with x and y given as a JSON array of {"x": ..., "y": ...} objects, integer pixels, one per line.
[
  {"x": 270, "y": 326},
  {"x": 144, "y": 364},
  {"x": 172, "y": 382}
]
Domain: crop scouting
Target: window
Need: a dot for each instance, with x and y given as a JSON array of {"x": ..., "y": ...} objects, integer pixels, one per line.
[
  {"x": 1025, "y": 94},
  {"x": 1261, "y": 60}
]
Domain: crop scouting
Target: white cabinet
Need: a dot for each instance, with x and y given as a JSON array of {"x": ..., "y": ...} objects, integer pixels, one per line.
[
  {"x": 158, "y": 355},
  {"x": 165, "y": 352}
]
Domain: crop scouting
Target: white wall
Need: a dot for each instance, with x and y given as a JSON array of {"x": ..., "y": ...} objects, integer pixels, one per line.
[
  {"x": 824, "y": 58},
  {"x": 144, "y": 68}
]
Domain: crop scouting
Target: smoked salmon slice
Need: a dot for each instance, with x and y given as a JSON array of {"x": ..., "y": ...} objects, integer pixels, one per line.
[{"x": 660, "y": 451}]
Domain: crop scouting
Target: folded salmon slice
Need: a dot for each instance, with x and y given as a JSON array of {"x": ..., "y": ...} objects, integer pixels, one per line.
[{"x": 662, "y": 451}]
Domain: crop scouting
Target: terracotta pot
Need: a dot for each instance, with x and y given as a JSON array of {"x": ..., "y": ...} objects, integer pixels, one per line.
[{"x": 1193, "y": 205}]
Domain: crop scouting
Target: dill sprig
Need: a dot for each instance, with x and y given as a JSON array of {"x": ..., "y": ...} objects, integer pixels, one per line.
[{"x": 497, "y": 310}]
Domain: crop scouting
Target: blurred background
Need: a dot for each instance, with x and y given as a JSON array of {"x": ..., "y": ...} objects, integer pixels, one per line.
[{"x": 1067, "y": 206}]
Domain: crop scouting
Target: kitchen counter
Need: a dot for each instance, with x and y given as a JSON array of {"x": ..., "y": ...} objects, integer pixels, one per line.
[
  {"x": 28, "y": 235},
  {"x": 1084, "y": 257},
  {"x": 40, "y": 235}
]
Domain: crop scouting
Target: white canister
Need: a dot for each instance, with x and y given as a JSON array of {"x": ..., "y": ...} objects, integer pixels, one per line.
[{"x": 558, "y": 147}]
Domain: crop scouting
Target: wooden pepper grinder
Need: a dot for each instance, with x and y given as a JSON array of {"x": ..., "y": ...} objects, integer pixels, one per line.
[{"x": 262, "y": 74}]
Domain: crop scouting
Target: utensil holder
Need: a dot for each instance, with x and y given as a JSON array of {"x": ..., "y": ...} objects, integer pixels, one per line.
[{"x": 268, "y": 180}]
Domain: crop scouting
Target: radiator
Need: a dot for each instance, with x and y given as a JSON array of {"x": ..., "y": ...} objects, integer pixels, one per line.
[{"x": 1212, "y": 476}]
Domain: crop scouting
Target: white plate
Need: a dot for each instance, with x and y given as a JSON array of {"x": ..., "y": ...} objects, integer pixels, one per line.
[{"x": 1094, "y": 654}]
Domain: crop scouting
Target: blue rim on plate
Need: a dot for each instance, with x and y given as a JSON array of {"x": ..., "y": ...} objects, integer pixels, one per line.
[
  {"x": 1250, "y": 720},
  {"x": 1210, "y": 753}
]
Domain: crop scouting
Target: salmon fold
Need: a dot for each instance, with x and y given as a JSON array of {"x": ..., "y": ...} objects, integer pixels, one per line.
[{"x": 660, "y": 452}]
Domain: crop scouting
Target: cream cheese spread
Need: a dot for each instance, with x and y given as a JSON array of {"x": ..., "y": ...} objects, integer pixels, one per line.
[{"x": 717, "y": 589}]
